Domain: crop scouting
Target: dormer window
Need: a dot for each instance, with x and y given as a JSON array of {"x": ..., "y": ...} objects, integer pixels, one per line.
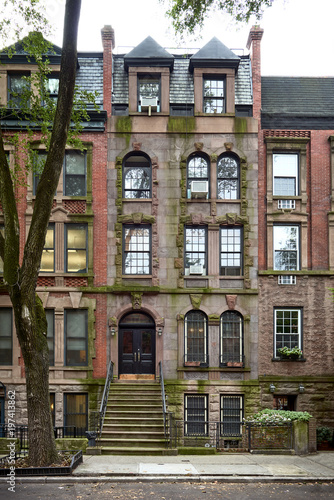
[
  {"x": 149, "y": 93},
  {"x": 214, "y": 95}
]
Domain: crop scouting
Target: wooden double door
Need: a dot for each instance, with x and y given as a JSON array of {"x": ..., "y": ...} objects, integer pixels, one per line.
[{"x": 137, "y": 345}]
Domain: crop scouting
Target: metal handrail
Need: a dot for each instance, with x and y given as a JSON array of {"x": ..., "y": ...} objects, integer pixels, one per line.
[
  {"x": 163, "y": 397},
  {"x": 104, "y": 400}
]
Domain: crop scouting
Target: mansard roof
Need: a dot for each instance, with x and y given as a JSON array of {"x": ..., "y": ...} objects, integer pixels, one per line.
[
  {"x": 214, "y": 55},
  {"x": 297, "y": 102},
  {"x": 149, "y": 53}
]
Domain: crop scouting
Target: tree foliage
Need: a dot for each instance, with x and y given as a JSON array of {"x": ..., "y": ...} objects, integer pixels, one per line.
[{"x": 189, "y": 15}]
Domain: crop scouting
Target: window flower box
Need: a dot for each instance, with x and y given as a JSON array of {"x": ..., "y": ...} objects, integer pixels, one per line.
[
  {"x": 289, "y": 354},
  {"x": 235, "y": 364}
]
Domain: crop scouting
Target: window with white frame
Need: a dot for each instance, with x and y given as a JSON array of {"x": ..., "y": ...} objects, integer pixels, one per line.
[
  {"x": 195, "y": 256},
  {"x": 231, "y": 250},
  {"x": 75, "y": 173},
  {"x": 286, "y": 247},
  {"x": 228, "y": 178},
  {"x": 195, "y": 415},
  {"x": 231, "y": 415},
  {"x": 137, "y": 249},
  {"x": 6, "y": 336},
  {"x": 196, "y": 338},
  {"x": 231, "y": 339},
  {"x": 198, "y": 169},
  {"x": 213, "y": 95},
  {"x": 287, "y": 329},
  {"x": 285, "y": 174},
  {"x": 149, "y": 92}
]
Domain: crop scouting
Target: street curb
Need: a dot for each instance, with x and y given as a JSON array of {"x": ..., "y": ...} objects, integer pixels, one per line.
[{"x": 134, "y": 478}]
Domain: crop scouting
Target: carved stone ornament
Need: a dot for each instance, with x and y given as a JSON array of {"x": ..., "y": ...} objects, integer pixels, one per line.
[
  {"x": 198, "y": 146},
  {"x": 231, "y": 301},
  {"x": 136, "y": 298},
  {"x": 136, "y": 146},
  {"x": 196, "y": 299},
  {"x": 228, "y": 146}
]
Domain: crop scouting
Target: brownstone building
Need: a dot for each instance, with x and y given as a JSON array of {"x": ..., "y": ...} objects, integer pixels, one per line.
[
  {"x": 295, "y": 239},
  {"x": 195, "y": 233}
]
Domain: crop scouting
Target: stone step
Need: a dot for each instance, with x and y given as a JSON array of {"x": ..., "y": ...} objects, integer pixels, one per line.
[
  {"x": 116, "y": 450},
  {"x": 132, "y": 443},
  {"x": 133, "y": 426},
  {"x": 135, "y": 435}
]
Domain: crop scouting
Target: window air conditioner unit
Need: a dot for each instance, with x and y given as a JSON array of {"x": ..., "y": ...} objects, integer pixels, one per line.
[
  {"x": 199, "y": 189},
  {"x": 196, "y": 269},
  {"x": 146, "y": 102}
]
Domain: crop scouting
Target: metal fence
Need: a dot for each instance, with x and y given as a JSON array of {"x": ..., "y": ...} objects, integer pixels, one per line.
[
  {"x": 202, "y": 433},
  {"x": 21, "y": 433},
  {"x": 269, "y": 436}
]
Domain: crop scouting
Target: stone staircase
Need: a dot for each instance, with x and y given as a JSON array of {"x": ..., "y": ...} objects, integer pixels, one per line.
[{"x": 133, "y": 424}]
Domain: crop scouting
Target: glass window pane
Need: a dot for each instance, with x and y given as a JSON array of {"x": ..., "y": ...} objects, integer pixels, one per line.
[
  {"x": 76, "y": 337},
  {"x": 6, "y": 323},
  {"x": 75, "y": 174}
]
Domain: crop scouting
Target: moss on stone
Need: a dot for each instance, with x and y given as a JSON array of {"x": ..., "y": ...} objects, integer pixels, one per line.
[{"x": 182, "y": 125}]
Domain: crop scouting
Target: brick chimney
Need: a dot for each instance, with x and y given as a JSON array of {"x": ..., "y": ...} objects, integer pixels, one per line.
[
  {"x": 254, "y": 41},
  {"x": 108, "y": 43}
]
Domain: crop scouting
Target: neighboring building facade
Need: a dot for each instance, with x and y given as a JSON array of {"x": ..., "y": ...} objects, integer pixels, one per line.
[
  {"x": 73, "y": 255},
  {"x": 296, "y": 266}
]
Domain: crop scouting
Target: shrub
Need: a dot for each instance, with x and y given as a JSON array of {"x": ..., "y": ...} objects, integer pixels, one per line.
[{"x": 277, "y": 417}]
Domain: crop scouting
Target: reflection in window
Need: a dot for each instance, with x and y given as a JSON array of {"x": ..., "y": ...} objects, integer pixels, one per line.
[
  {"x": 231, "y": 251},
  {"x": 50, "y": 335},
  {"x": 285, "y": 174},
  {"x": 75, "y": 173},
  {"x": 227, "y": 178},
  {"x": 39, "y": 159},
  {"x": 76, "y": 248},
  {"x": 195, "y": 250},
  {"x": 231, "y": 334},
  {"x": 213, "y": 99},
  {"x": 76, "y": 414},
  {"x": 53, "y": 86},
  {"x": 76, "y": 337},
  {"x": 286, "y": 248},
  {"x": 197, "y": 170},
  {"x": 48, "y": 255},
  {"x": 149, "y": 93},
  {"x": 18, "y": 90},
  {"x": 137, "y": 245},
  {"x": 195, "y": 337},
  {"x": 137, "y": 177},
  {"x": 6, "y": 345}
]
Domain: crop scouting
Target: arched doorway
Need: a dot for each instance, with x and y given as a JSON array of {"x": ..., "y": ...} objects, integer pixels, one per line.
[{"x": 136, "y": 344}]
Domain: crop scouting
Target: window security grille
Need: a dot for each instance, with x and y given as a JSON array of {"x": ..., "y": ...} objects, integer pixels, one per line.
[
  {"x": 284, "y": 279},
  {"x": 288, "y": 204},
  {"x": 231, "y": 409},
  {"x": 195, "y": 415}
]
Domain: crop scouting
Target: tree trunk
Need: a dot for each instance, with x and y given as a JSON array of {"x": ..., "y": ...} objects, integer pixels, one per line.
[
  {"x": 30, "y": 319},
  {"x": 31, "y": 327}
]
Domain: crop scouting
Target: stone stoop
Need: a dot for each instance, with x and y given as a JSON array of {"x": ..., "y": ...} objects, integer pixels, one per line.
[{"x": 133, "y": 424}]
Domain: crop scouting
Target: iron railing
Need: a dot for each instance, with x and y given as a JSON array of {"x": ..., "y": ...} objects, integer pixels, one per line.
[
  {"x": 97, "y": 417},
  {"x": 21, "y": 434},
  {"x": 166, "y": 414},
  {"x": 203, "y": 433},
  {"x": 269, "y": 436}
]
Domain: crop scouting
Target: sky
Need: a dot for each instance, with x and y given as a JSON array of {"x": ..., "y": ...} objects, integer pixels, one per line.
[{"x": 298, "y": 35}]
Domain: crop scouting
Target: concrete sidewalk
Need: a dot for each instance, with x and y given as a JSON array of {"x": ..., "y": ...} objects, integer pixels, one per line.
[{"x": 227, "y": 467}]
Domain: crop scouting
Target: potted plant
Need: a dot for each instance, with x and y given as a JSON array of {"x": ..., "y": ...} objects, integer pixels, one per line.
[
  {"x": 324, "y": 436},
  {"x": 287, "y": 353}
]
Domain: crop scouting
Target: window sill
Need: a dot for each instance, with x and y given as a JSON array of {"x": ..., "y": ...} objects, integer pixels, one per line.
[
  {"x": 141, "y": 200},
  {"x": 289, "y": 360}
]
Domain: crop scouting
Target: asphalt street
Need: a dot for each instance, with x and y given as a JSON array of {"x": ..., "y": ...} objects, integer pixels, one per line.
[{"x": 169, "y": 491}]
